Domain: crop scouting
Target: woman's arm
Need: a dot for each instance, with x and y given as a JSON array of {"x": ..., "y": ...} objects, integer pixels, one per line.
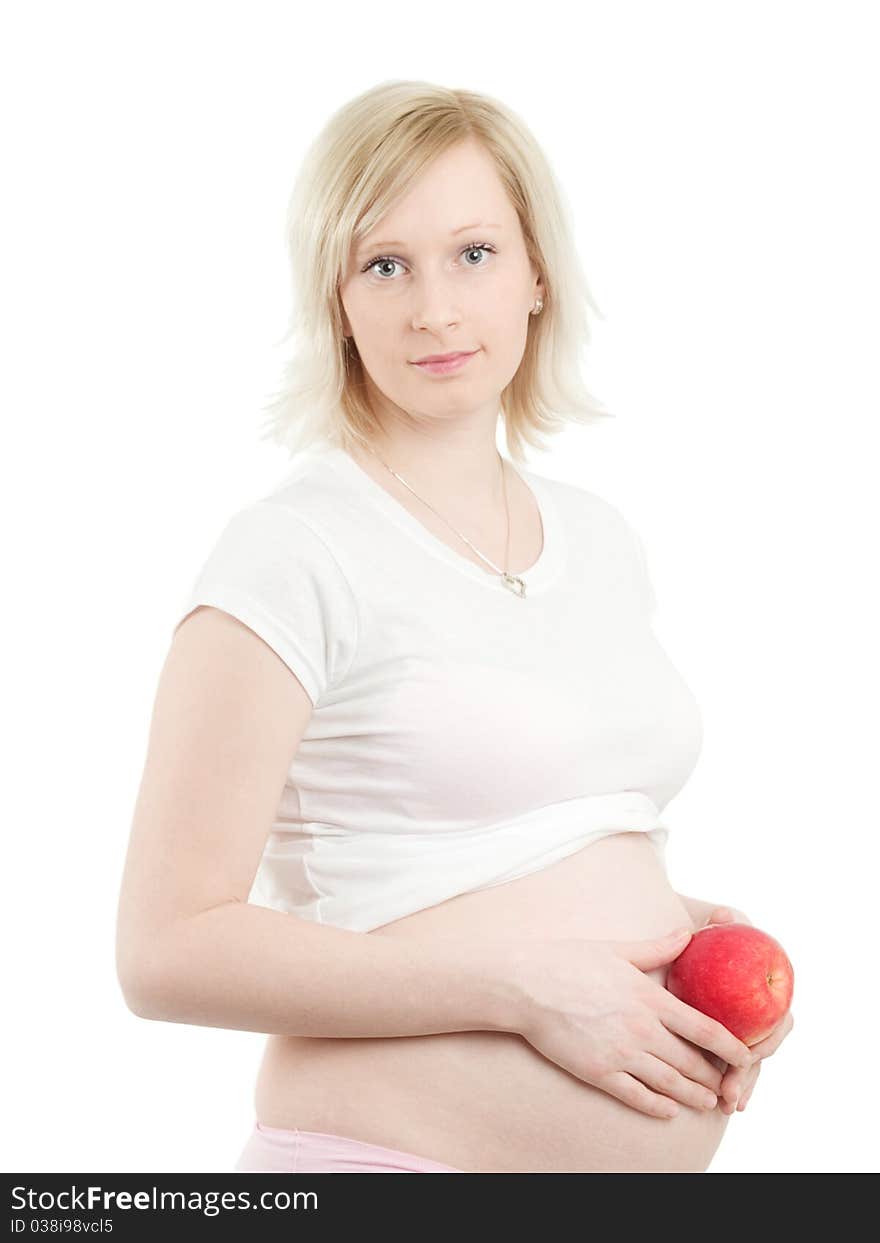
[
  {"x": 249, "y": 968},
  {"x": 190, "y": 948}
]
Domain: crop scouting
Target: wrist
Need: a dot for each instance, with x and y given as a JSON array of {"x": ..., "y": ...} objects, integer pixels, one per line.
[{"x": 505, "y": 967}]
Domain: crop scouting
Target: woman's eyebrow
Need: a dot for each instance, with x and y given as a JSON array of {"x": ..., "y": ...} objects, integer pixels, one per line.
[{"x": 480, "y": 224}]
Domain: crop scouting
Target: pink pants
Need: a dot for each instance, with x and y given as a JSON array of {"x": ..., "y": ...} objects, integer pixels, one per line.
[{"x": 271, "y": 1150}]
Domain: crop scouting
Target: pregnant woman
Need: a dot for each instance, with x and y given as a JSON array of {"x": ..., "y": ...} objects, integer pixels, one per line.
[{"x": 413, "y": 737}]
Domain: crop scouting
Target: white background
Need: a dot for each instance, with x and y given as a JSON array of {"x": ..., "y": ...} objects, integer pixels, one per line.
[{"x": 721, "y": 165}]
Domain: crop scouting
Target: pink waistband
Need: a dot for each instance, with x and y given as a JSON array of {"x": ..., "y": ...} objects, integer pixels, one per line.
[{"x": 276, "y": 1150}]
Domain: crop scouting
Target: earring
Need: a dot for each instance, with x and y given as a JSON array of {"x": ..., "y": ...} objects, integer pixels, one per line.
[{"x": 538, "y": 307}]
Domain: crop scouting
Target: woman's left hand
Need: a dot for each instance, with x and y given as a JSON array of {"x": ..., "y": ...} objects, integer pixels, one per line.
[{"x": 737, "y": 1084}]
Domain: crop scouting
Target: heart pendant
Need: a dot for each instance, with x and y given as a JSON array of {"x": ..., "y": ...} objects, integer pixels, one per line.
[{"x": 514, "y": 584}]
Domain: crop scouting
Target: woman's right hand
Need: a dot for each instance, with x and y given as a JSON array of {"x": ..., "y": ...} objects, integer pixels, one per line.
[{"x": 589, "y": 1007}]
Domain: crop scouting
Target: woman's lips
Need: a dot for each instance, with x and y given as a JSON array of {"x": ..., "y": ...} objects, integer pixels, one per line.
[{"x": 447, "y": 366}]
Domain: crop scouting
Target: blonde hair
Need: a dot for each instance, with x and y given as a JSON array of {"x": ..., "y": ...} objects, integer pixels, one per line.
[{"x": 367, "y": 155}]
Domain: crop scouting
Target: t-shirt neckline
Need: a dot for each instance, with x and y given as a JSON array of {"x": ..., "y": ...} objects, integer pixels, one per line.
[{"x": 538, "y": 578}]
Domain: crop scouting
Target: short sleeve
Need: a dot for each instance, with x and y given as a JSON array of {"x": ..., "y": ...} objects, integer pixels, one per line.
[{"x": 273, "y": 572}]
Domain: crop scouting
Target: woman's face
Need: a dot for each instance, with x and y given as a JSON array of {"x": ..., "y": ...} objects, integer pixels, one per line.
[{"x": 435, "y": 291}]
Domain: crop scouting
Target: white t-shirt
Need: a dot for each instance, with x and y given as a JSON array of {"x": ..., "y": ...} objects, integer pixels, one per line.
[{"x": 462, "y": 736}]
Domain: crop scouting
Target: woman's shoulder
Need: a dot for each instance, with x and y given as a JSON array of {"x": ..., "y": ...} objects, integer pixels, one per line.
[
  {"x": 303, "y": 506},
  {"x": 578, "y": 502}
]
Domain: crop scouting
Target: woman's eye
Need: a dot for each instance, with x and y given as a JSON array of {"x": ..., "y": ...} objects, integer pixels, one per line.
[
  {"x": 383, "y": 261},
  {"x": 476, "y": 249},
  {"x": 376, "y": 263}
]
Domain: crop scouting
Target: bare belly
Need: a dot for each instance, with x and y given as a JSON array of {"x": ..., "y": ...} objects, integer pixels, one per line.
[{"x": 488, "y": 1102}]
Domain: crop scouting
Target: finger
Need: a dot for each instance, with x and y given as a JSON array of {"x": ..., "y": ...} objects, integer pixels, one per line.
[
  {"x": 729, "y": 1100},
  {"x": 721, "y": 915},
  {"x": 655, "y": 1073},
  {"x": 634, "y": 1093},
  {"x": 736, "y": 1081},
  {"x": 727, "y": 915},
  {"x": 732, "y": 1085},
  {"x": 745, "y": 1100},
  {"x": 705, "y": 1032},
  {"x": 690, "y": 1061},
  {"x": 769, "y": 1045}
]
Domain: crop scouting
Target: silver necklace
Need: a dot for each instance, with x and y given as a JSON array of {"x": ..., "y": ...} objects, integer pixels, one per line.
[{"x": 511, "y": 581}]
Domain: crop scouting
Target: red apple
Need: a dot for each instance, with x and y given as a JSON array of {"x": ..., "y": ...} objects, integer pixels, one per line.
[{"x": 736, "y": 974}]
